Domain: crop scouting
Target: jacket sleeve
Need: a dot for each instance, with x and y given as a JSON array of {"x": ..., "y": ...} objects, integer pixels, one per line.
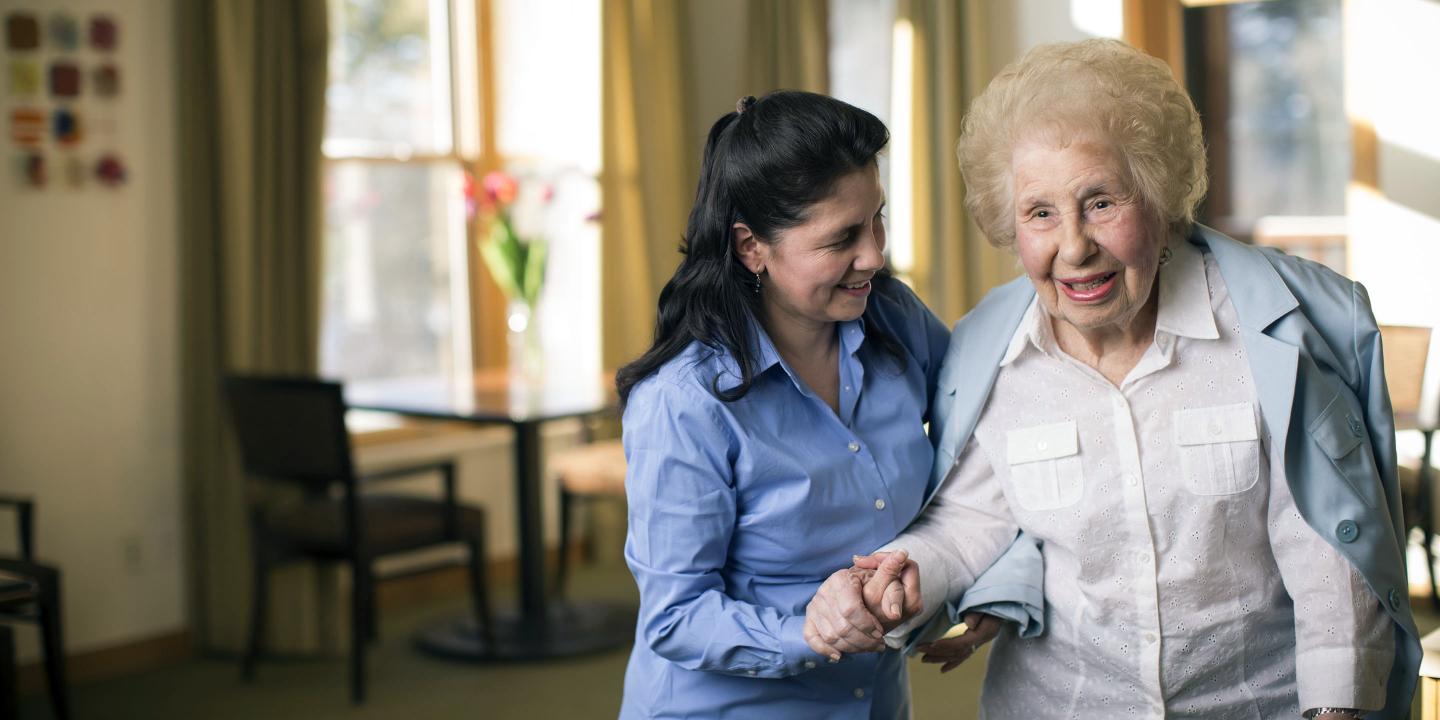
[{"x": 682, "y": 512}]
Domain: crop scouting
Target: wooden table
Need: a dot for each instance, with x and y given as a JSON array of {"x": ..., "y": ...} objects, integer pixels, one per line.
[{"x": 541, "y": 628}]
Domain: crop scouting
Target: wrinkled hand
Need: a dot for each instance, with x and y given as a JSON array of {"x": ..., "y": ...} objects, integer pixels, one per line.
[
  {"x": 855, "y": 607},
  {"x": 899, "y": 599},
  {"x": 980, "y": 629}
]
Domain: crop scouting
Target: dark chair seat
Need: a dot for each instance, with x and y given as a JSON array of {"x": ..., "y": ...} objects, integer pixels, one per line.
[{"x": 393, "y": 523}]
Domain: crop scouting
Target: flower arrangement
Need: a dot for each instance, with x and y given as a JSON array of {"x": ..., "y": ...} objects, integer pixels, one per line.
[{"x": 516, "y": 263}]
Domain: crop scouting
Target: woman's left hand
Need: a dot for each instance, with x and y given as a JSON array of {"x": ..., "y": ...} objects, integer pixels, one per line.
[{"x": 980, "y": 629}]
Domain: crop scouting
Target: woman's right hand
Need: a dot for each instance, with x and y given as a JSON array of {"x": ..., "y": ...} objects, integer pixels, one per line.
[{"x": 855, "y": 607}]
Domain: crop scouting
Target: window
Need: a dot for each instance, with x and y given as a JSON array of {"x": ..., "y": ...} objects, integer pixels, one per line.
[{"x": 410, "y": 110}]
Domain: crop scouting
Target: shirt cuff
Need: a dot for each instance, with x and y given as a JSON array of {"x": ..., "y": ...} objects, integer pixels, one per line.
[
  {"x": 1342, "y": 678},
  {"x": 798, "y": 656}
]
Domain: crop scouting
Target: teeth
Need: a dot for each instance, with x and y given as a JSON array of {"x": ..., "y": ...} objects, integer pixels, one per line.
[
  {"x": 1090, "y": 285},
  {"x": 855, "y": 286}
]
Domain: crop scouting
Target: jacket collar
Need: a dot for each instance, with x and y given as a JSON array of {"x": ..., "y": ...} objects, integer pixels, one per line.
[{"x": 1259, "y": 295}]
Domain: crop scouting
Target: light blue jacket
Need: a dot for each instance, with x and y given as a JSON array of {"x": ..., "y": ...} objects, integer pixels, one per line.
[{"x": 1314, "y": 350}]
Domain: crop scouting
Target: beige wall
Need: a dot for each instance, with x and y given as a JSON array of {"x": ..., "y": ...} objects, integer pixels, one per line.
[{"x": 88, "y": 374}]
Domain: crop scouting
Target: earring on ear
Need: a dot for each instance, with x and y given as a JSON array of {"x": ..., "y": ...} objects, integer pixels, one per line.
[
  {"x": 1165, "y": 255},
  {"x": 757, "y": 283}
]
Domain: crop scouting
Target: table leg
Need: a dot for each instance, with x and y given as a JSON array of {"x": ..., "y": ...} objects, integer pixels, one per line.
[{"x": 540, "y": 629}]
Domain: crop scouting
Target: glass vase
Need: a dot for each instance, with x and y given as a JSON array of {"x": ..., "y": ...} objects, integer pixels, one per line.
[{"x": 527, "y": 354}]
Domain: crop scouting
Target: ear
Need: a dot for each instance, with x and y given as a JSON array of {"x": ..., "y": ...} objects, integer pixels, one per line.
[{"x": 748, "y": 248}]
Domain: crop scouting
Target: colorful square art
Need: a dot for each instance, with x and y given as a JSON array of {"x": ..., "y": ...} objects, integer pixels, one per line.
[
  {"x": 30, "y": 166},
  {"x": 64, "y": 32},
  {"x": 106, "y": 81},
  {"x": 66, "y": 126},
  {"x": 27, "y": 126},
  {"x": 76, "y": 172},
  {"x": 24, "y": 78},
  {"x": 64, "y": 79},
  {"x": 110, "y": 170},
  {"x": 104, "y": 35},
  {"x": 22, "y": 31}
]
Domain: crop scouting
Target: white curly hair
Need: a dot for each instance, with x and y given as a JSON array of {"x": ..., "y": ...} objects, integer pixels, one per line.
[{"x": 1063, "y": 89}]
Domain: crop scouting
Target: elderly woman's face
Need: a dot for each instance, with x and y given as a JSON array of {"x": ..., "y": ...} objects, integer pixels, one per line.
[{"x": 1083, "y": 237}]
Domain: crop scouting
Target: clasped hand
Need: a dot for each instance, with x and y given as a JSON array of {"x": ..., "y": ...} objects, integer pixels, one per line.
[{"x": 856, "y": 606}]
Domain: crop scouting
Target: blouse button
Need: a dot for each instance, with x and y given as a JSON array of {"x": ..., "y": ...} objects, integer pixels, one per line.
[
  {"x": 854, "y": 446},
  {"x": 879, "y": 504},
  {"x": 1347, "y": 531},
  {"x": 809, "y": 664},
  {"x": 1214, "y": 429},
  {"x": 1132, "y": 480},
  {"x": 1042, "y": 445},
  {"x": 752, "y": 673},
  {"x": 1150, "y": 637},
  {"x": 859, "y": 693}
]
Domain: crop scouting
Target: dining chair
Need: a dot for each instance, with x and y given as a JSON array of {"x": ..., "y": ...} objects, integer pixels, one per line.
[
  {"x": 1410, "y": 379},
  {"x": 293, "y": 440},
  {"x": 587, "y": 471},
  {"x": 30, "y": 593}
]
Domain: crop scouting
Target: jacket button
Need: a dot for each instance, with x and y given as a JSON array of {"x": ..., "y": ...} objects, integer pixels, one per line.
[
  {"x": 1355, "y": 426},
  {"x": 1395, "y": 598},
  {"x": 1347, "y": 531}
]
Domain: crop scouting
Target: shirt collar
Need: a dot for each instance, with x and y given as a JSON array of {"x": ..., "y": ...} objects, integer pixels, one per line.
[
  {"x": 852, "y": 337},
  {"x": 1184, "y": 306},
  {"x": 1185, "y": 295}
]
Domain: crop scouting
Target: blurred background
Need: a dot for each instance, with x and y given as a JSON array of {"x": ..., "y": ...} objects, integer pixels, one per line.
[{"x": 407, "y": 191}]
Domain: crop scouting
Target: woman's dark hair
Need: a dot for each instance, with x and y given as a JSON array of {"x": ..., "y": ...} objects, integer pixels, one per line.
[{"x": 765, "y": 165}]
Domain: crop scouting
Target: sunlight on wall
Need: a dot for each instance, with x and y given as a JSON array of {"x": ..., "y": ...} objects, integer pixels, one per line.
[
  {"x": 1100, "y": 18},
  {"x": 902, "y": 179}
]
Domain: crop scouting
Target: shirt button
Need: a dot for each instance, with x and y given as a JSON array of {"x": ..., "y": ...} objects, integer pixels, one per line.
[
  {"x": 809, "y": 664},
  {"x": 1214, "y": 429},
  {"x": 1355, "y": 426},
  {"x": 1150, "y": 637},
  {"x": 1142, "y": 557},
  {"x": 1042, "y": 445},
  {"x": 847, "y": 388},
  {"x": 879, "y": 504},
  {"x": 1347, "y": 531},
  {"x": 752, "y": 673},
  {"x": 859, "y": 693},
  {"x": 1132, "y": 480},
  {"x": 854, "y": 447}
]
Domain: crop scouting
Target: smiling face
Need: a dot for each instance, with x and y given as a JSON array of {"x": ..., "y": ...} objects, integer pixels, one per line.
[
  {"x": 818, "y": 273},
  {"x": 1084, "y": 238}
]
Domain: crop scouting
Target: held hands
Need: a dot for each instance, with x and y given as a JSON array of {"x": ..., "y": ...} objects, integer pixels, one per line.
[{"x": 855, "y": 607}]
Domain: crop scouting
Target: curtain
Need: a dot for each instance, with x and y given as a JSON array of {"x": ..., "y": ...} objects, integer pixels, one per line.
[
  {"x": 787, "y": 46},
  {"x": 252, "y": 84},
  {"x": 954, "y": 265},
  {"x": 649, "y": 167}
]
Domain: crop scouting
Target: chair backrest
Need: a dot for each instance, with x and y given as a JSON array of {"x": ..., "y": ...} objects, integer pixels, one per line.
[
  {"x": 1406, "y": 351},
  {"x": 291, "y": 429}
]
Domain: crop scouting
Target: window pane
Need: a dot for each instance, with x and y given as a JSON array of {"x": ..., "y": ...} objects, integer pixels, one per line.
[
  {"x": 1287, "y": 150},
  {"x": 395, "y": 289},
  {"x": 389, "y": 85}
]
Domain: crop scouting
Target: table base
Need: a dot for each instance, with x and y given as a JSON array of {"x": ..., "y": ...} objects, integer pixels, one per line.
[{"x": 570, "y": 629}]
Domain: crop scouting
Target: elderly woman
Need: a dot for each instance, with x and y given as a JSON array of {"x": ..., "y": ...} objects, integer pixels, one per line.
[{"x": 1196, "y": 432}]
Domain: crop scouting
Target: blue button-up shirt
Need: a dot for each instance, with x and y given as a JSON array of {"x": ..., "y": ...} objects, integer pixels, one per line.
[{"x": 738, "y": 511}]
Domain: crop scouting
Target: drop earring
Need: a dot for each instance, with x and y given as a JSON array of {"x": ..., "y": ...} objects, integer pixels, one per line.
[{"x": 1165, "y": 256}]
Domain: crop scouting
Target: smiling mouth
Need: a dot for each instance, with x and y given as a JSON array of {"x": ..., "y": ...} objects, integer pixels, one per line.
[
  {"x": 1087, "y": 284},
  {"x": 856, "y": 286}
]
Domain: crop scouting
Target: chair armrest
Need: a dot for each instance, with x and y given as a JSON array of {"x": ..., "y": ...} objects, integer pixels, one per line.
[{"x": 25, "y": 512}]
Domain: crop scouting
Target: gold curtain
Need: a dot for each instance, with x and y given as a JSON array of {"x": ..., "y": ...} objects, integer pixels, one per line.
[
  {"x": 787, "y": 46},
  {"x": 252, "y": 100},
  {"x": 954, "y": 265},
  {"x": 649, "y": 167}
]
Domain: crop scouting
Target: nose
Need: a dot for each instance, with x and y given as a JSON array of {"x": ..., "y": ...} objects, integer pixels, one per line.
[
  {"x": 1075, "y": 244},
  {"x": 871, "y": 249}
]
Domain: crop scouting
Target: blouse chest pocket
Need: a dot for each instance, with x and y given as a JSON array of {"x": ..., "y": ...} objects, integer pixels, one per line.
[
  {"x": 1219, "y": 448},
  {"x": 1045, "y": 471}
]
